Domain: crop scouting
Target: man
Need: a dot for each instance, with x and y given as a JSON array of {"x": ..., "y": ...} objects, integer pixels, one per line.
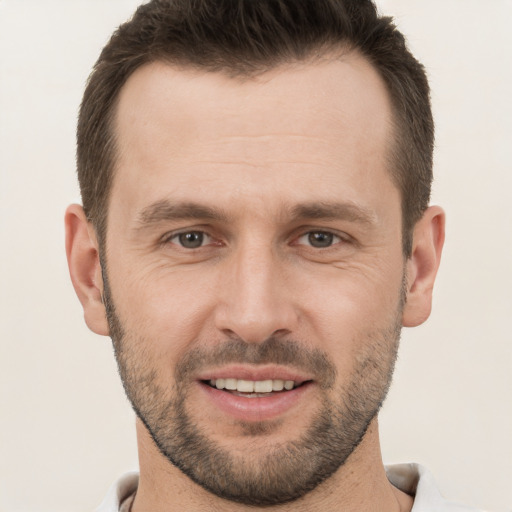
[{"x": 255, "y": 230}]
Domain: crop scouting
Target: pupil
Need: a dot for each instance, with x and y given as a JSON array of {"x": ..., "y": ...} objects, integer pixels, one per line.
[
  {"x": 191, "y": 240},
  {"x": 320, "y": 239}
]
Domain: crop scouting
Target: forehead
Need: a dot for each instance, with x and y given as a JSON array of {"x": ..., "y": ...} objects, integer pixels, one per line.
[
  {"x": 346, "y": 92},
  {"x": 315, "y": 120}
]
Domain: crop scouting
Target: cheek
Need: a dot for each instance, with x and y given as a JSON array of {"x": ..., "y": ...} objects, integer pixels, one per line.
[
  {"x": 347, "y": 310},
  {"x": 167, "y": 310}
]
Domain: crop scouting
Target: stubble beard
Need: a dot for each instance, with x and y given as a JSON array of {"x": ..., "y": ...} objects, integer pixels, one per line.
[{"x": 286, "y": 471}]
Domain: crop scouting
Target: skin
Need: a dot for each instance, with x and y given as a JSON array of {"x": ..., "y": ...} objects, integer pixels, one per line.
[{"x": 256, "y": 151}]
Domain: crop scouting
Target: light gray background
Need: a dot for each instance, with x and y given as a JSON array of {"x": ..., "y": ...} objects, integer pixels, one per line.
[{"x": 66, "y": 428}]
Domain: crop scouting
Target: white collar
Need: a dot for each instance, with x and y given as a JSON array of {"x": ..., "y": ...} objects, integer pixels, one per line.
[{"x": 412, "y": 479}]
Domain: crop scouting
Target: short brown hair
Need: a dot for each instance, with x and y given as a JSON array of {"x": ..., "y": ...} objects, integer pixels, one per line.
[{"x": 244, "y": 38}]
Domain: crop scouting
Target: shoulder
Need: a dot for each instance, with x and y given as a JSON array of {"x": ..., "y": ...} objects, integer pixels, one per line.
[
  {"x": 123, "y": 488},
  {"x": 418, "y": 482}
]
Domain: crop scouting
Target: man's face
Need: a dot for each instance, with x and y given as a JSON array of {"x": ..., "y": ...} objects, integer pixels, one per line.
[{"x": 254, "y": 243}]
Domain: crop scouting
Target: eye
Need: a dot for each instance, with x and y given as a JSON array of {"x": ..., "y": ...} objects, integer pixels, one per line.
[
  {"x": 319, "y": 239},
  {"x": 190, "y": 239}
]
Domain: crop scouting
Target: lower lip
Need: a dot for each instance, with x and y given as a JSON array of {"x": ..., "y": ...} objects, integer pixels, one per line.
[{"x": 255, "y": 408}]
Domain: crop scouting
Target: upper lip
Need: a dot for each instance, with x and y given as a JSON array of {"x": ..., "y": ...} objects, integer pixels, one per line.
[{"x": 255, "y": 373}]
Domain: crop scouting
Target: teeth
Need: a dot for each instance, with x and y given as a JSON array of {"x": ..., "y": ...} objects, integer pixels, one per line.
[
  {"x": 245, "y": 386},
  {"x": 230, "y": 384},
  {"x": 277, "y": 385},
  {"x": 253, "y": 386},
  {"x": 263, "y": 386},
  {"x": 288, "y": 385}
]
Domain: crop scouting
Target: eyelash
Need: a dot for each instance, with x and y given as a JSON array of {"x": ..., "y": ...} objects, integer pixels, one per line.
[
  {"x": 169, "y": 238},
  {"x": 335, "y": 238},
  {"x": 332, "y": 238}
]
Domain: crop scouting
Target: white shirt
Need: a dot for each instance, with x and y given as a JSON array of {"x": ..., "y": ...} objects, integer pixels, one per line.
[
  {"x": 413, "y": 479},
  {"x": 418, "y": 482}
]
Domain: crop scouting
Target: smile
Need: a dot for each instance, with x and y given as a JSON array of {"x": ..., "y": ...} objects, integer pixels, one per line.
[{"x": 253, "y": 388}]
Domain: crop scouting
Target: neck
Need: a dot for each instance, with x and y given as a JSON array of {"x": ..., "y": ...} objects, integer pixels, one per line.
[{"x": 360, "y": 484}]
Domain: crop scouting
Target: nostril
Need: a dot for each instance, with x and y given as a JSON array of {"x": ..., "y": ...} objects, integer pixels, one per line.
[
  {"x": 252, "y": 336},
  {"x": 281, "y": 333}
]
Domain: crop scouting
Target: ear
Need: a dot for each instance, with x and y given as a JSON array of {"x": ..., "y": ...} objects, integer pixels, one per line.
[
  {"x": 427, "y": 245},
  {"x": 84, "y": 267}
]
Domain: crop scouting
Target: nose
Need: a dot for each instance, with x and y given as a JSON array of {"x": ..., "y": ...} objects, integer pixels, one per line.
[{"x": 255, "y": 299}]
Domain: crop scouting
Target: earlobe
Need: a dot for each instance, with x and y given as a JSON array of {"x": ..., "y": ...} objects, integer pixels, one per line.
[
  {"x": 85, "y": 269},
  {"x": 422, "y": 266}
]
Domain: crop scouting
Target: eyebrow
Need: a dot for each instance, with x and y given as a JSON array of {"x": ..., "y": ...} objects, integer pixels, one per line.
[
  {"x": 334, "y": 211},
  {"x": 166, "y": 210}
]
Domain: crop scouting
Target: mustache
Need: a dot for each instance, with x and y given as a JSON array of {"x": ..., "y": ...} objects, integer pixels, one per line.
[{"x": 271, "y": 351}]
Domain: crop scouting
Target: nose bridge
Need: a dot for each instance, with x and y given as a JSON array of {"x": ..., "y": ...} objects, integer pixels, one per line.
[{"x": 256, "y": 304}]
